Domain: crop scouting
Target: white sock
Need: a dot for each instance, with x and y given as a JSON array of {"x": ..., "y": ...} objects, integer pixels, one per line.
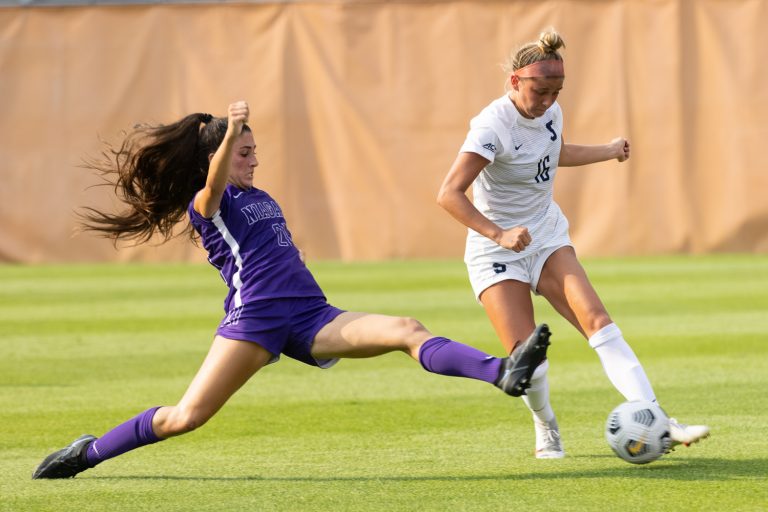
[
  {"x": 621, "y": 365},
  {"x": 536, "y": 397}
]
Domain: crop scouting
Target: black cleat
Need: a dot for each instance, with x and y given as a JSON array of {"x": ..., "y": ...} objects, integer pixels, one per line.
[
  {"x": 516, "y": 370},
  {"x": 67, "y": 462}
]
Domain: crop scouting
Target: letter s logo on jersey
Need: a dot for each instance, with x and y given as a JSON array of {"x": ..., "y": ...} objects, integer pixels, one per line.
[{"x": 551, "y": 130}]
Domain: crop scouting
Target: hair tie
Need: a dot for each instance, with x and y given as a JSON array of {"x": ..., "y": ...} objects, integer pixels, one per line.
[{"x": 205, "y": 118}]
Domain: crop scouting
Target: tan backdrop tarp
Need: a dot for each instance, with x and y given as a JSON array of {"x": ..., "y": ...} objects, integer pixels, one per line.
[{"x": 360, "y": 107}]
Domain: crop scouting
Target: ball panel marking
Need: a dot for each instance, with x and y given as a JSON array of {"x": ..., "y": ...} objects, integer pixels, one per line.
[{"x": 638, "y": 431}]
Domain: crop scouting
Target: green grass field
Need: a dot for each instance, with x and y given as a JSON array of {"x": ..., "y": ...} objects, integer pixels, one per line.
[{"x": 83, "y": 348}]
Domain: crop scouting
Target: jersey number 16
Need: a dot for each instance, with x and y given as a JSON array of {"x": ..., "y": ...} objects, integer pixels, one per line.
[{"x": 543, "y": 174}]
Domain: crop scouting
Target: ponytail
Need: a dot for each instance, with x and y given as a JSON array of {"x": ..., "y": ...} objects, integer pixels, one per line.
[{"x": 155, "y": 172}]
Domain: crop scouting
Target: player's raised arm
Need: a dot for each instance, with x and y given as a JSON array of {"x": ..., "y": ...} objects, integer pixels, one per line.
[{"x": 208, "y": 199}]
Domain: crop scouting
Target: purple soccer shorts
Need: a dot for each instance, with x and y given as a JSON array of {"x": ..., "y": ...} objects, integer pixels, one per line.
[{"x": 282, "y": 326}]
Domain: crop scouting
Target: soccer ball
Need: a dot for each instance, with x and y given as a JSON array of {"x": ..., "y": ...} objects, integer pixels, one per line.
[{"x": 638, "y": 431}]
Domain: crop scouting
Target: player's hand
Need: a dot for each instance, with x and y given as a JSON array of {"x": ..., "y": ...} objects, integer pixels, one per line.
[
  {"x": 237, "y": 116},
  {"x": 515, "y": 239},
  {"x": 621, "y": 148}
]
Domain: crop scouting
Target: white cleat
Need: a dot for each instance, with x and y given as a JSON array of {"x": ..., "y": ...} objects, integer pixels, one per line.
[
  {"x": 548, "y": 442},
  {"x": 686, "y": 434}
]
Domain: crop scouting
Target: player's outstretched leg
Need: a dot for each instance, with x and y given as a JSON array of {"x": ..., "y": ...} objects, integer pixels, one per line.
[
  {"x": 686, "y": 434},
  {"x": 67, "y": 462},
  {"x": 516, "y": 370}
]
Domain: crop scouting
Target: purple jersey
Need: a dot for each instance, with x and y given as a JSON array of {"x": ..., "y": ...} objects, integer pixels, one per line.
[{"x": 248, "y": 241}]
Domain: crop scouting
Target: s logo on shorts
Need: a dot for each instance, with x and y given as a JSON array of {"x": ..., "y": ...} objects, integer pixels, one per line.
[{"x": 499, "y": 268}]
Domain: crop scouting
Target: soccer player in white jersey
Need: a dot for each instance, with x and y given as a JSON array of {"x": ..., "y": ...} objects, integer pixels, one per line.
[{"x": 518, "y": 240}]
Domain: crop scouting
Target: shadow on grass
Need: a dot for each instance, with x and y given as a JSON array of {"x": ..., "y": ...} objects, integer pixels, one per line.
[{"x": 688, "y": 470}]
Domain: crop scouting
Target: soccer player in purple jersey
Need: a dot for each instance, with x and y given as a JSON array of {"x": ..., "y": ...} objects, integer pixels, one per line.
[{"x": 203, "y": 166}]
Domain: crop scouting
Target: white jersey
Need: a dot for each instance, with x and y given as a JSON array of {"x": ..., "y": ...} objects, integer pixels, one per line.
[{"x": 515, "y": 188}]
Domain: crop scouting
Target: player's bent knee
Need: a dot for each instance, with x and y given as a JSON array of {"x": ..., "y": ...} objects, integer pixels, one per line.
[
  {"x": 412, "y": 334},
  {"x": 410, "y": 328}
]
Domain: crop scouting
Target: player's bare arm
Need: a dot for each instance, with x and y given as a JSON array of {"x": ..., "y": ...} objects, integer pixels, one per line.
[
  {"x": 208, "y": 200},
  {"x": 453, "y": 198},
  {"x": 572, "y": 155}
]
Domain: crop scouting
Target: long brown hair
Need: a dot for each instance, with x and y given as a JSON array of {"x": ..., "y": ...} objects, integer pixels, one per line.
[{"x": 155, "y": 173}]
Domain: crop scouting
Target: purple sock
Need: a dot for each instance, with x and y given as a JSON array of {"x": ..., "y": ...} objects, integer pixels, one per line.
[
  {"x": 447, "y": 357},
  {"x": 132, "y": 434}
]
